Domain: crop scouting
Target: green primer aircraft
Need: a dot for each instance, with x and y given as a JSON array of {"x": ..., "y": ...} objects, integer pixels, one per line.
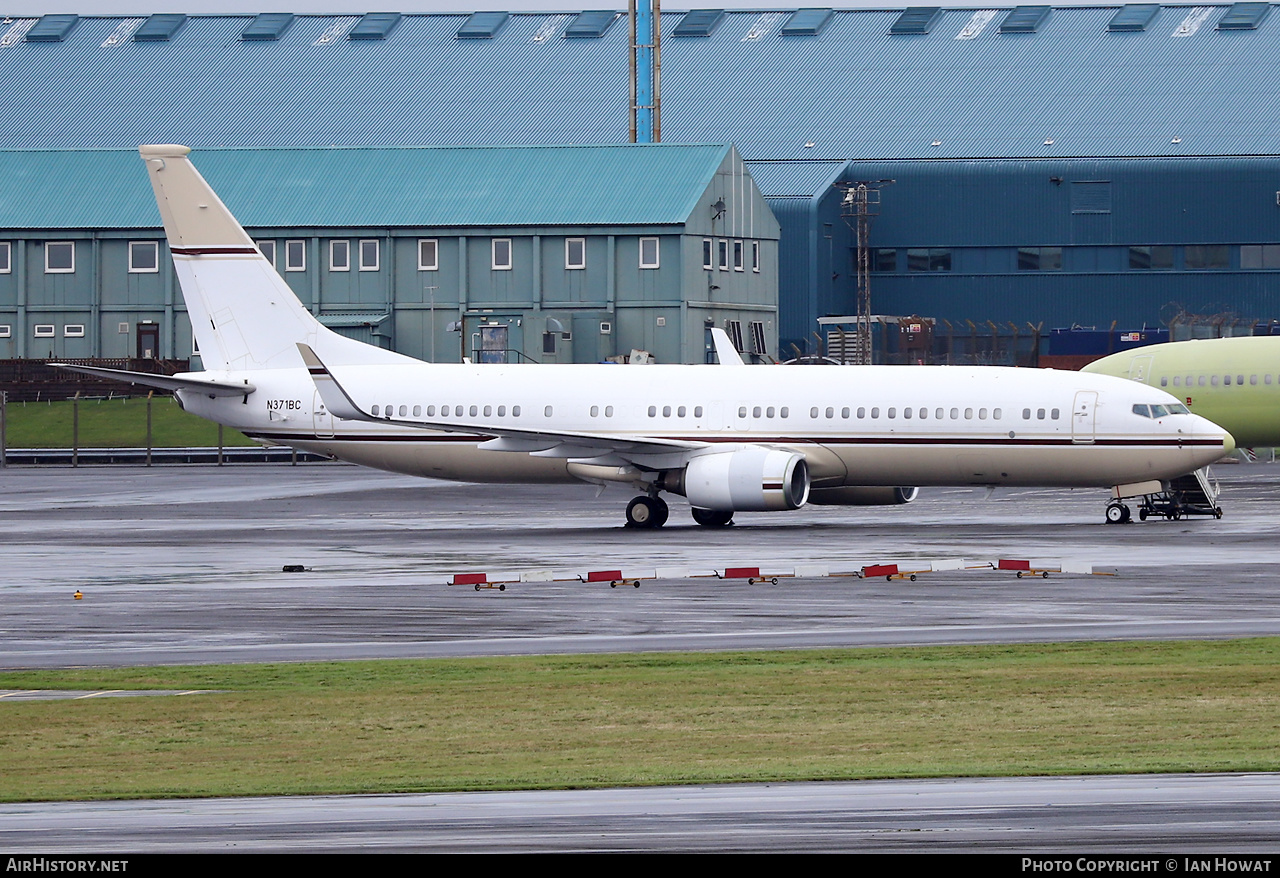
[{"x": 1234, "y": 382}]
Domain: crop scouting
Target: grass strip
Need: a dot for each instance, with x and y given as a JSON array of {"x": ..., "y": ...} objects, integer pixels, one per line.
[
  {"x": 618, "y": 720},
  {"x": 112, "y": 423}
]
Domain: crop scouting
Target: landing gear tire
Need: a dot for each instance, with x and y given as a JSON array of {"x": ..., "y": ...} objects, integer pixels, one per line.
[
  {"x": 713, "y": 517},
  {"x": 647, "y": 512},
  {"x": 1117, "y": 513}
]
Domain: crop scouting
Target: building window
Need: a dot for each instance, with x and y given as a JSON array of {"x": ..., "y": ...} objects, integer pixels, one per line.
[
  {"x": 268, "y": 251},
  {"x": 5, "y": 258},
  {"x": 548, "y": 342},
  {"x": 428, "y": 254},
  {"x": 722, "y": 255},
  {"x": 739, "y": 256},
  {"x": 1158, "y": 258},
  {"x": 707, "y": 262},
  {"x": 1202, "y": 257},
  {"x": 575, "y": 253},
  {"x": 733, "y": 329},
  {"x": 1260, "y": 256},
  {"x": 59, "y": 257},
  {"x": 339, "y": 255},
  {"x": 369, "y": 254},
  {"x": 73, "y": 330},
  {"x": 501, "y": 254},
  {"x": 1039, "y": 259},
  {"x": 44, "y": 330},
  {"x": 295, "y": 255},
  {"x": 144, "y": 257},
  {"x": 6, "y": 331},
  {"x": 929, "y": 259},
  {"x": 757, "y": 336},
  {"x": 884, "y": 259},
  {"x": 648, "y": 252},
  {"x": 755, "y": 256}
]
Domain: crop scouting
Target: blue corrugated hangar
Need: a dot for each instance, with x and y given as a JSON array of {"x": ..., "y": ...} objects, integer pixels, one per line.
[{"x": 1030, "y": 165}]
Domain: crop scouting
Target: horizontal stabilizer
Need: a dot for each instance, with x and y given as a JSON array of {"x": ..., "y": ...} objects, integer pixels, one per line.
[{"x": 209, "y": 386}]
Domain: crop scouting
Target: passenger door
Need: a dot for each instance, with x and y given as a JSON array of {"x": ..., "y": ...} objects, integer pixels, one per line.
[{"x": 1082, "y": 417}]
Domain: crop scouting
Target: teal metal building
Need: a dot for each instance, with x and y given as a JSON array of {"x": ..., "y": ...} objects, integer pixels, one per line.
[
  {"x": 543, "y": 254},
  {"x": 1050, "y": 165}
]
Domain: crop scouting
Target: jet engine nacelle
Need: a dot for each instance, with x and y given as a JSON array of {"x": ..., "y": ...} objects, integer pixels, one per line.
[
  {"x": 751, "y": 479},
  {"x": 868, "y": 495}
]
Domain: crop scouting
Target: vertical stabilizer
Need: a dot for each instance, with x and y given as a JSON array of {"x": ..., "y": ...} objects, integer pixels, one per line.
[{"x": 244, "y": 316}]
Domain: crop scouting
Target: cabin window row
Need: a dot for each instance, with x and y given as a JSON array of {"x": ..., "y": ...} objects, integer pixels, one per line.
[
  {"x": 446, "y": 411},
  {"x": 1213, "y": 380},
  {"x": 908, "y": 413}
]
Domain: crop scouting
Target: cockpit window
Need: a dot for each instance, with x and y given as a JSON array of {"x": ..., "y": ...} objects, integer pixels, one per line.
[{"x": 1160, "y": 411}]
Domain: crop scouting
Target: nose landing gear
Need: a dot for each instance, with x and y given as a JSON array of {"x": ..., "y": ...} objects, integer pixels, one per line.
[{"x": 1117, "y": 513}]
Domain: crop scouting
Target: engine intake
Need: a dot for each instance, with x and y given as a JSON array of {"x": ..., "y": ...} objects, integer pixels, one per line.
[{"x": 751, "y": 479}]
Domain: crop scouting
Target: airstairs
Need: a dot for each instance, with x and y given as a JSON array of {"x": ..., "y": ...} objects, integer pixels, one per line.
[{"x": 1196, "y": 493}]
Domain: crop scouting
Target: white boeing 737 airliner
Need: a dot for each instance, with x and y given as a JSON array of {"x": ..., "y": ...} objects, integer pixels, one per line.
[{"x": 728, "y": 438}]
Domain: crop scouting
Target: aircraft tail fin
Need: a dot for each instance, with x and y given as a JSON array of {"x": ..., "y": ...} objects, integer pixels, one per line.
[{"x": 243, "y": 315}]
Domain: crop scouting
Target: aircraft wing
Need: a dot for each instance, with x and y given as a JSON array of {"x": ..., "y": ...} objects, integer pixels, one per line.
[
  {"x": 209, "y": 386},
  {"x": 586, "y": 447}
]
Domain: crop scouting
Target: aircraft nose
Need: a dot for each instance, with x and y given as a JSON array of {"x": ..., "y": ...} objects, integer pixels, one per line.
[{"x": 1228, "y": 443}]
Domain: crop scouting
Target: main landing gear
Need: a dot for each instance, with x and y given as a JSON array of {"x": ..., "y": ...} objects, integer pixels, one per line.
[
  {"x": 647, "y": 511},
  {"x": 650, "y": 511},
  {"x": 713, "y": 517}
]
